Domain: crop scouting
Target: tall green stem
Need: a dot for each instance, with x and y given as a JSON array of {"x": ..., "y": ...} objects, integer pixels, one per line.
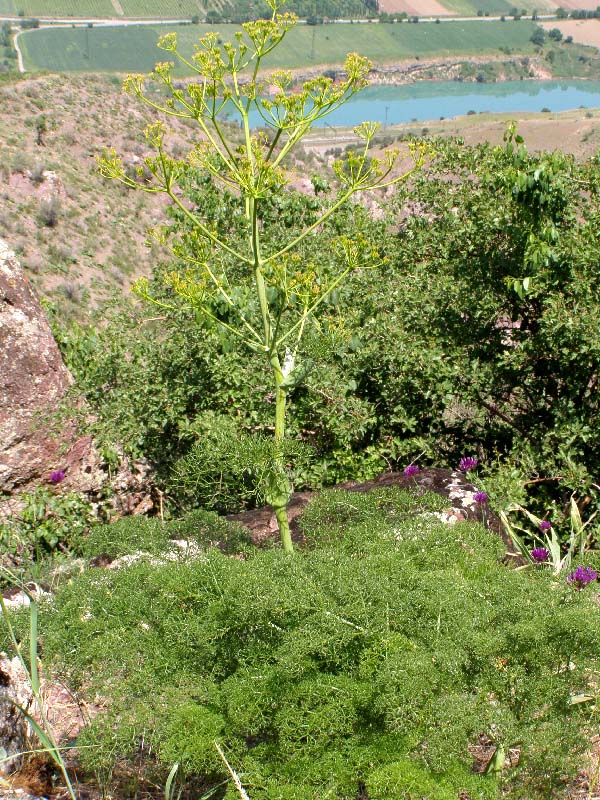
[
  {"x": 281, "y": 496},
  {"x": 280, "y": 489}
]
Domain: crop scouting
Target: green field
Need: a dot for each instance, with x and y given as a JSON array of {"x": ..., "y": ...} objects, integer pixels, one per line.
[
  {"x": 469, "y": 8},
  {"x": 162, "y": 8},
  {"x": 188, "y": 8},
  {"x": 101, "y": 8},
  {"x": 169, "y": 9},
  {"x": 56, "y": 8},
  {"x": 114, "y": 49}
]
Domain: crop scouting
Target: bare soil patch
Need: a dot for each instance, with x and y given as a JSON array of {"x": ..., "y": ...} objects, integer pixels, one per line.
[
  {"x": 420, "y": 8},
  {"x": 583, "y": 31},
  {"x": 571, "y": 132}
]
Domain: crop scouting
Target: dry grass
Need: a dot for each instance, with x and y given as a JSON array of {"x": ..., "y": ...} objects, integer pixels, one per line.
[
  {"x": 583, "y": 31},
  {"x": 77, "y": 235},
  {"x": 96, "y": 243},
  {"x": 420, "y": 8}
]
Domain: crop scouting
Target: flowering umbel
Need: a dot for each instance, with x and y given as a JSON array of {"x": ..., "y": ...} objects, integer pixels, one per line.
[
  {"x": 545, "y": 525},
  {"x": 411, "y": 471},
  {"x": 467, "y": 463},
  {"x": 580, "y": 578},
  {"x": 481, "y": 498},
  {"x": 57, "y": 476}
]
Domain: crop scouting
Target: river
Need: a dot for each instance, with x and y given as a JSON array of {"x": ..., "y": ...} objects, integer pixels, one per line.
[{"x": 430, "y": 100}]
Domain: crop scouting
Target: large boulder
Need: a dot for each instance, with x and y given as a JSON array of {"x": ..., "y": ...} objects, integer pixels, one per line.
[{"x": 33, "y": 382}]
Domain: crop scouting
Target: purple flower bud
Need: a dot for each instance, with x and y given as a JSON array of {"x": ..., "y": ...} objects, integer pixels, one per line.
[
  {"x": 580, "y": 578},
  {"x": 57, "y": 476},
  {"x": 467, "y": 463},
  {"x": 481, "y": 498},
  {"x": 540, "y": 554},
  {"x": 411, "y": 471},
  {"x": 545, "y": 525}
]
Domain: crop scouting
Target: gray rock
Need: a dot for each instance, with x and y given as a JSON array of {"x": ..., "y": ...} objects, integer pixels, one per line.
[{"x": 33, "y": 382}]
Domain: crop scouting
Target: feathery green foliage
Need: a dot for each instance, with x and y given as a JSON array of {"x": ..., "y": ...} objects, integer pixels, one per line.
[{"x": 377, "y": 658}]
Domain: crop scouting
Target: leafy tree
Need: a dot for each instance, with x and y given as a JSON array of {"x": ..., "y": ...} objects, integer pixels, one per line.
[
  {"x": 503, "y": 268},
  {"x": 264, "y": 296},
  {"x": 41, "y": 128},
  {"x": 5, "y": 34},
  {"x": 538, "y": 37}
]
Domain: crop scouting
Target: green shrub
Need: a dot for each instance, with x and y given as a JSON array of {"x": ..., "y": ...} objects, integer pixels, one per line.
[
  {"x": 149, "y": 535},
  {"x": 125, "y": 536},
  {"x": 49, "y": 522},
  {"x": 478, "y": 336},
  {"x": 372, "y": 661}
]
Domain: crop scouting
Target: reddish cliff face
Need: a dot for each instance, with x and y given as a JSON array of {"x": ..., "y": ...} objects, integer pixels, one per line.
[{"x": 33, "y": 381}]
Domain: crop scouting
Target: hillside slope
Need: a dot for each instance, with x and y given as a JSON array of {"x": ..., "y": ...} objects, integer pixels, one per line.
[{"x": 80, "y": 236}]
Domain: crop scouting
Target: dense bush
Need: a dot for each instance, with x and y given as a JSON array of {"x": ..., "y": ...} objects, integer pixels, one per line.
[
  {"x": 501, "y": 265},
  {"x": 151, "y": 536},
  {"x": 374, "y": 663},
  {"x": 48, "y": 522},
  {"x": 478, "y": 335}
]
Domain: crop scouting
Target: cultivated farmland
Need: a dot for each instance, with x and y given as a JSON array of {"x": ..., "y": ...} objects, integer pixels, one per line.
[
  {"x": 101, "y": 8},
  {"x": 426, "y": 8},
  {"x": 114, "y": 49},
  {"x": 495, "y": 8},
  {"x": 162, "y": 8},
  {"x": 56, "y": 8},
  {"x": 248, "y": 9},
  {"x": 583, "y": 31},
  {"x": 186, "y": 9}
]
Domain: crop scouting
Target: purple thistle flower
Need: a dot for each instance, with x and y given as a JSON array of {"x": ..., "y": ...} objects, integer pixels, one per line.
[
  {"x": 467, "y": 463},
  {"x": 481, "y": 498},
  {"x": 411, "y": 471},
  {"x": 580, "y": 578},
  {"x": 57, "y": 476},
  {"x": 545, "y": 525},
  {"x": 540, "y": 554}
]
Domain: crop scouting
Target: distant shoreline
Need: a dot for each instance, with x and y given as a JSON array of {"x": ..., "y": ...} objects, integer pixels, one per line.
[{"x": 444, "y": 69}]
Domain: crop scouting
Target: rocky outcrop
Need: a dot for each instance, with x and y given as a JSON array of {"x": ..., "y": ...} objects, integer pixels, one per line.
[
  {"x": 33, "y": 382},
  {"x": 14, "y": 728},
  {"x": 452, "y": 485}
]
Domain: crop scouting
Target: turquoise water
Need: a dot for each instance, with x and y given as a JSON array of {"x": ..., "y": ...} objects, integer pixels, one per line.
[{"x": 432, "y": 100}]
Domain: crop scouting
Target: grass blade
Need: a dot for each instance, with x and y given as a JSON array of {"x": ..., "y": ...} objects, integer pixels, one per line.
[
  {"x": 33, "y": 646},
  {"x": 233, "y": 773},
  {"x": 169, "y": 783},
  {"x": 515, "y": 538}
]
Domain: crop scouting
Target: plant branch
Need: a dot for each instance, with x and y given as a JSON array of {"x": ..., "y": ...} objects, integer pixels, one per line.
[{"x": 205, "y": 231}]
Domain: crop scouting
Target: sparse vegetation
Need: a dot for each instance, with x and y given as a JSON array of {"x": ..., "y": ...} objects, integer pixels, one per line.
[{"x": 49, "y": 211}]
